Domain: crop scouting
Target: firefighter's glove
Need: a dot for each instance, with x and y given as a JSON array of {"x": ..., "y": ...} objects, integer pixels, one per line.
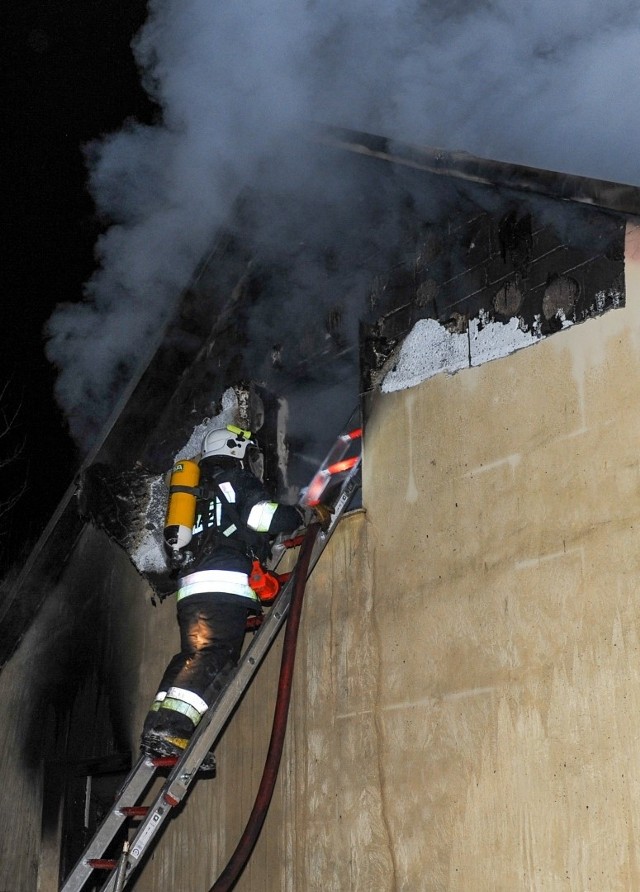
[{"x": 321, "y": 514}]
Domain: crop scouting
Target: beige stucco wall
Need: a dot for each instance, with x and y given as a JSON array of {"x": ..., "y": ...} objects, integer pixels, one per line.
[
  {"x": 509, "y": 713},
  {"x": 466, "y": 713}
]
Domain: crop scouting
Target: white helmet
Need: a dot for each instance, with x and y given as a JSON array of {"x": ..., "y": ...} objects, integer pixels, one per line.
[{"x": 231, "y": 441}]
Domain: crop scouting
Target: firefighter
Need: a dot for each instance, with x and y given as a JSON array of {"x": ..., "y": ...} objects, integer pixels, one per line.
[{"x": 234, "y": 523}]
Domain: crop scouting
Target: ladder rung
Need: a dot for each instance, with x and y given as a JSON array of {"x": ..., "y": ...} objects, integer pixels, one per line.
[
  {"x": 102, "y": 863},
  {"x": 293, "y": 543},
  {"x": 164, "y": 761},
  {"x": 134, "y": 811}
]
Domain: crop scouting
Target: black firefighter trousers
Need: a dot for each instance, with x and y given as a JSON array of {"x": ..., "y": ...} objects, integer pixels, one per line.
[{"x": 212, "y": 629}]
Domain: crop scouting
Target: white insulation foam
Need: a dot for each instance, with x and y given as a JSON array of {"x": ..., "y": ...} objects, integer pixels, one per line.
[
  {"x": 427, "y": 350},
  {"x": 493, "y": 340},
  {"x": 430, "y": 348},
  {"x": 148, "y": 553},
  {"x": 228, "y": 415}
]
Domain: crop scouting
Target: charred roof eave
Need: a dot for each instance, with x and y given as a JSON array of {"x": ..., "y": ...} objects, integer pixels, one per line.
[{"x": 619, "y": 197}]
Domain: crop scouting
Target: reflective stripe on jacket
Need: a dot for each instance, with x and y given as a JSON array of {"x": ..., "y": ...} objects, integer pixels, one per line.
[
  {"x": 230, "y": 582},
  {"x": 261, "y": 515}
]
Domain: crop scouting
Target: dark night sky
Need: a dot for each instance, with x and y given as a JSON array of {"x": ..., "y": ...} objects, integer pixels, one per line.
[{"x": 69, "y": 77}]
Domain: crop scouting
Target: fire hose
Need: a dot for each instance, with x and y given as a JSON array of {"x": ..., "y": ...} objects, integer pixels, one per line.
[{"x": 243, "y": 850}]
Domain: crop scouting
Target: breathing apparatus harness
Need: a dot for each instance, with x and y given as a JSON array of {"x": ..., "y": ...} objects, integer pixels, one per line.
[
  {"x": 242, "y": 538},
  {"x": 184, "y": 492}
]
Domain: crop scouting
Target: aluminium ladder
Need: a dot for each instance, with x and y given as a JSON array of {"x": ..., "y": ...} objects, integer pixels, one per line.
[{"x": 185, "y": 768}]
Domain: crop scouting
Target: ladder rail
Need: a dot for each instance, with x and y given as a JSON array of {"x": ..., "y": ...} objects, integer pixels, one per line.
[
  {"x": 213, "y": 722},
  {"x": 130, "y": 792},
  {"x": 342, "y": 488}
]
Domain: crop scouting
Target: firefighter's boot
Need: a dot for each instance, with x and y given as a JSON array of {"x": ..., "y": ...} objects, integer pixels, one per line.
[{"x": 167, "y": 733}]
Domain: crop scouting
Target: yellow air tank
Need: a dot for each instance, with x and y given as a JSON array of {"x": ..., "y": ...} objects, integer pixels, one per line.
[{"x": 181, "y": 508}]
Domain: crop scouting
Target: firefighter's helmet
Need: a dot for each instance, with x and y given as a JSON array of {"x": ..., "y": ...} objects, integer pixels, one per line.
[{"x": 230, "y": 441}]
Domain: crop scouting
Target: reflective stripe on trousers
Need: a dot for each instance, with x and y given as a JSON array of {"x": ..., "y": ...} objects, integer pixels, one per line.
[
  {"x": 157, "y": 703},
  {"x": 229, "y": 582},
  {"x": 185, "y": 702}
]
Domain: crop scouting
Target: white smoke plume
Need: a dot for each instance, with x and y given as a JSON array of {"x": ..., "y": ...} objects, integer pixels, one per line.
[{"x": 546, "y": 84}]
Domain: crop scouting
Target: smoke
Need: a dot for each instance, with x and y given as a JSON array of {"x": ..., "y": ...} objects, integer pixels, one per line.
[{"x": 543, "y": 84}]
